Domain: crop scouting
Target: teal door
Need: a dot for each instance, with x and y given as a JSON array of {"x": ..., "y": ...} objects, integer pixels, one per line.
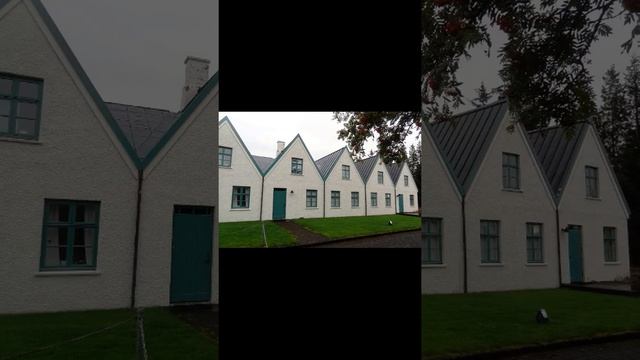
[
  {"x": 575, "y": 253},
  {"x": 191, "y": 254},
  {"x": 400, "y": 204},
  {"x": 279, "y": 204}
]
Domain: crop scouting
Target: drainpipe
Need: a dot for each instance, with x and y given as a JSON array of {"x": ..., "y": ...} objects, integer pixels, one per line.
[
  {"x": 324, "y": 198},
  {"x": 261, "y": 197},
  {"x": 136, "y": 240},
  {"x": 395, "y": 200},
  {"x": 464, "y": 247},
  {"x": 365, "y": 199},
  {"x": 558, "y": 247}
]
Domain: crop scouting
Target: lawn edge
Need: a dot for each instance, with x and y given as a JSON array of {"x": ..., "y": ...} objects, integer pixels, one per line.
[
  {"x": 538, "y": 347},
  {"x": 333, "y": 241}
]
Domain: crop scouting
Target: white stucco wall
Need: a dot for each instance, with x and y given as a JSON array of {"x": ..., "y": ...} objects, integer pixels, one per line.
[
  {"x": 241, "y": 173},
  {"x": 386, "y": 187},
  {"x": 334, "y": 182},
  {"x": 280, "y": 177},
  {"x": 185, "y": 172},
  {"x": 407, "y": 191},
  {"x": 75, "y": 158},
  {"x": 486, "y": 200},
  {"x": 440, "y": 199},
  {"x": 593, "y": 214}
]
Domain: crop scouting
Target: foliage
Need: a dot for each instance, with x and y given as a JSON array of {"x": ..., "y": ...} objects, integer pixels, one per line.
[
  {"x": 613, "y": 118},
  {"x": 414, "y": 161},
  {"x": 483, "y": 96}
]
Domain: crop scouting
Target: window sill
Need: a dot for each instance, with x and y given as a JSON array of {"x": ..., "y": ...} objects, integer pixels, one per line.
[
  {"x": 491, "y": 264},
  {"x": 355, "y": 207},
  {"x": 311, "y": 208},
  {"x": 297, "y": 174},
  {"x": 240, "y": 209},
  {"x": 335, "y": 207},
  {"x": 612, "y": 262},
  {"x": 535, "y": 264},
  {"x": 433, "y": 266},
  {"x": 513, "y": 190},
  {"x": 49, "y": 273},
  {"x": 224, "y": 167},
  {"x": 593, "y": 198},
  {"x": 20, "y": 141}
]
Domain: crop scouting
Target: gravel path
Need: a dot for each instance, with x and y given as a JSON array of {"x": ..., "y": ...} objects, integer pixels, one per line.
[
  {"x": 409, "y": 239},
  {"x": 302, "y": 235},
  {"x": 204, "y": 317},
  {"x": 615, "y": 350}
]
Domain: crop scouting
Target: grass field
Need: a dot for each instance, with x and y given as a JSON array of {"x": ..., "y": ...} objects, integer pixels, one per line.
[
  {"x": 249, "y": 234},
  {"x": 353, "y": 226},
  {"x": 489, "y": 321},
  {"x": 167, "y": 337}
]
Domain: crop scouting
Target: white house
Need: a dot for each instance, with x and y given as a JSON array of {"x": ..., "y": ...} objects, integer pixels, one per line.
[
  {"x": 240, "y": 177},
  {"x": 101, "y": 212},
  {"x": 343, "y": 186},
  {"x": 379, "y": 186},
  {"x": 489, "y": 220},
  {"x": 405, "y": 188}
]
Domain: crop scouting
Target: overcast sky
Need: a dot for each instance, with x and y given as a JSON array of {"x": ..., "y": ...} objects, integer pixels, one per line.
[
  {"x": 604, "y": 53},
  {"x": 134, "y": 51},
  {"x": 261, "y": 130}
]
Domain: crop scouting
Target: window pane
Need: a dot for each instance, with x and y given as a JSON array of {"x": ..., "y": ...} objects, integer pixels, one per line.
[
  {"x": 5, "y": 86},
  {"x": 25, "y": 127},
  {"x": 5, "y": 107},
  {"x": 83, "y": 255},
  {"x": 58, "y": 213},
  {"x": 4, "y": 124},
  {"x": 28, "y": 90},
  {"x": 27, "y": 110},
  {"x": 85, "y": 236}
]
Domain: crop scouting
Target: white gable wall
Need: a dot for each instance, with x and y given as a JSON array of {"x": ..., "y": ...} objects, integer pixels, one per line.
[
  {"x": 185, "y": 172},
  {"x": 75, "y": 158},
  {"x": 381, "y": 189},
  {"x": 241, "y": 173},
  {"x": 280, "y": 177},
  {"x": 406, "y": 191},
  {"x": 486, "y": 200},
  {"x": 440, "y": 199},
  {"x": 334, "y": 182},
  {"x": 593, "y": 215}
]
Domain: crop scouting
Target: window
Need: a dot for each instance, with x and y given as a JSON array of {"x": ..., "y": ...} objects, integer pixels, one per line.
[
  {"x": 240, "y": 197},
  {"x": 355, "y": 199},
  {"x": 374, "y": 199},
  {"x": 406, "y": 180},
  {"x": 490, "y": 241},
  {"x": 20, "y": 103},
  {"x": 387, "y": 200},
  {"x": 432, "y": 241},
  {"x": 380, "y": 177},
  {"x": 224, "y": 156},
  {"x": 335, "y": 199},
  {"x": 70, "y": 235},
  {"x": 610, "y": 252},
  {"x": 312, "y": 198},
  {"x": 411, "y": 201},
  {"x": 534, "y": 243},
  {"x": 591, "y": 177},
  {"x": 346, "y": 172},
  {"x": 296, "y": 166},
  {"x": 510, "y": 171}
]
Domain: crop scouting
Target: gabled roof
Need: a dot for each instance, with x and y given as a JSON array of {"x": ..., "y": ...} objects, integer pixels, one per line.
[
  {"x": 394, "y": 170},
  {"x": 159, "y": 140},
  {"x": 326, "y": 163},
  {"x": 281, "y": 154},
  {"x": 366, "y": 166},
  {"x": 261, "y": 163},
  {"x": 556, "y": 149},
  {"x": 464, "y": 140}
]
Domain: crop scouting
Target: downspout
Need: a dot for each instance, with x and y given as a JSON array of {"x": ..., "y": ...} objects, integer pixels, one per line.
[
  {"x": 464, "y": 247},
  {"x": 324, "y": 198},
  {"x": 136, "y": 240},
  {"x": 261, "y": 197},
  {"x": 558, "y": 247},
  {"x": 395, "y": 200},
  {"x": 365, "y": 198}
]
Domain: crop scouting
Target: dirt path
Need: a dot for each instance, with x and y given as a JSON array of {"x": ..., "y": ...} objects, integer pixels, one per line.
[
  {"x": 622, "y": 350},
  {"x": 302, "y": 235},
  {"x": 409, "y": 239}
]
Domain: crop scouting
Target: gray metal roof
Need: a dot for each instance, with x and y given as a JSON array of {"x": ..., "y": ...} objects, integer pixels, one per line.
[
  {"x": 463, "y": 141},
  {"x": 263, "y": 162},
  {"x": 326, "y": 163},
  {"x": 556, "y": 149},
  {"x": 365, "y": 167},
  {"x": 394, "y": 170},
  {"x": 143, "y": 127}
]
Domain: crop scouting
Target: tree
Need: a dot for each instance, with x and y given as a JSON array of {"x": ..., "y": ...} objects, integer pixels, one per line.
[
  {"x": 632, "y": 91},
  {"x": 414, "y": 161},
  {"x": 612, "y": 122},
  {"x": 483, "y": 96}
]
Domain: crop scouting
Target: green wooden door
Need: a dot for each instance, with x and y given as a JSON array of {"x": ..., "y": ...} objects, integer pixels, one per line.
[
  {"x": 191, "y": 254},
  {"x": 575, "y": 253},
  {"x": 279, "y": 204},
  {"x": 400, "y": 203}
]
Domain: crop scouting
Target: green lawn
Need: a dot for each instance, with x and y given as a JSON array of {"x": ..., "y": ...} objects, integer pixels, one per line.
[
  {"x": 167, "y": 337},
  {"x": 490, "y": 321},
  {"x": 353, "y": 226},
  {"x": 249, "y": 234}
]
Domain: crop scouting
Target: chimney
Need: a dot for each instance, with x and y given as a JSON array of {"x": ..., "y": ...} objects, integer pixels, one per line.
[
  {"x": 279, "y": 148},
  {"x": 196, "y": 75}
]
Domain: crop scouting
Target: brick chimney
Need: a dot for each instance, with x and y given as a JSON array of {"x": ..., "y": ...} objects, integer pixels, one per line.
[
  {"x": 279, "y": 148},
  {"x": 196, "y": 75}
]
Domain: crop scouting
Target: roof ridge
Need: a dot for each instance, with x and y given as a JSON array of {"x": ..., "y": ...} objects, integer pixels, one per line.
[
  {"x": 329, "y": 154},
  {"x": 141, "y": 107}
]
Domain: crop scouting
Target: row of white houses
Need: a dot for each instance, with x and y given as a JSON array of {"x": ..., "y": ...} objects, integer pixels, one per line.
[
  {"x": 293, "y": 185},
  {"x": 516, "y": 209},
  {"x": 103, "y": 205}
]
